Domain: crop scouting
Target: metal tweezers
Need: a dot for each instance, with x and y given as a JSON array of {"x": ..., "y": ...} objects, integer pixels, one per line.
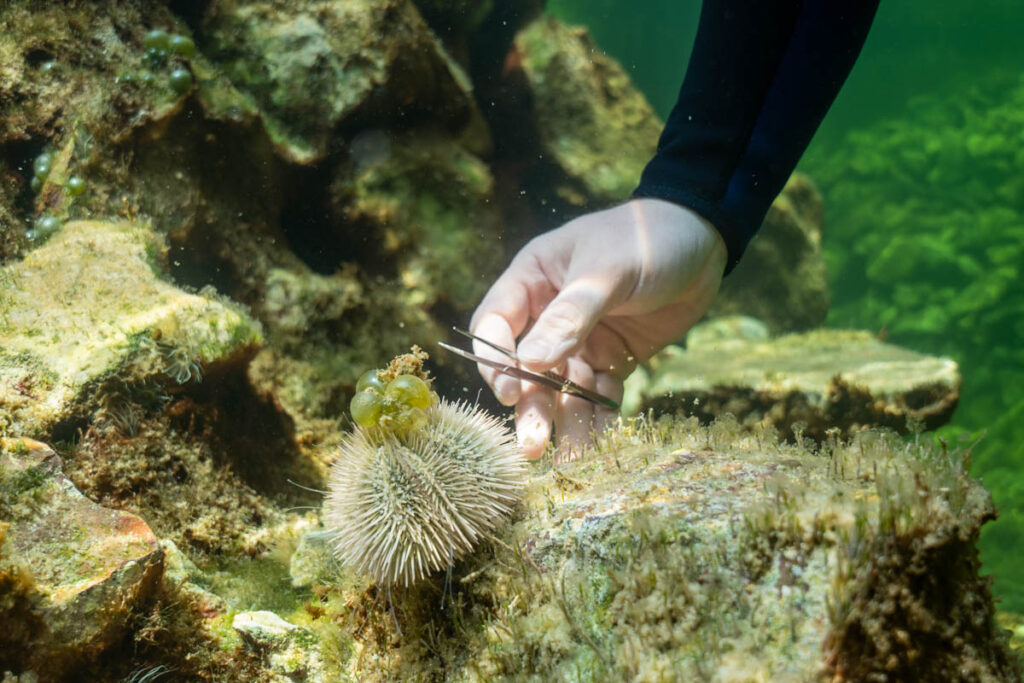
[{"x": 547, "y": 379}]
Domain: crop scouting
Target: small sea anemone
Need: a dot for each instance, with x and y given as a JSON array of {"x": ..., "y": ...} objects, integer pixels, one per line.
[{"x": 402, "y": 505}]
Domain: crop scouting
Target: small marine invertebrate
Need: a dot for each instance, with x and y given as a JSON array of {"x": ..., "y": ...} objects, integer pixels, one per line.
[
  {"x": 402, "y": 505},
  {"x": 181, "y": 364}
]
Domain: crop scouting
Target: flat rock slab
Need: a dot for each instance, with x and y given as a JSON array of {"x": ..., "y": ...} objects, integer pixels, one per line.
[
  {"x": 83, "y": 568},
  {"x": 685, "y": 552},
  {"x": 89, "y": 304},
  {"x": 822, "y": 379}
]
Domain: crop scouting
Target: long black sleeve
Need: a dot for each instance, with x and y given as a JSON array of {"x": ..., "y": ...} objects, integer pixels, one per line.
[{"x": 760, "y": 79}]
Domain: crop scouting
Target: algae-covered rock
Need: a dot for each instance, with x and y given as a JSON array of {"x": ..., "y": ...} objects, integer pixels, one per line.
[
  {"x": 71, "y": 572},
  {"x": 88, "y": 305},
  {"x": 313, "y": 560},
  {"x": 781, "y": 279},
  {"x": 426, "y": 202},
  {"x": 805, "y": 383},
  {"x": 291, "y": 651},
  {"x": 591, "y": 122},
  {"x": 673, "y": 551},
  {"x": 313, "y": 64}
]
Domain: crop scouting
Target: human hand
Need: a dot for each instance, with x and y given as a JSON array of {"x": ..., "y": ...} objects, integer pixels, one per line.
[{"x": 603, "y": 292}]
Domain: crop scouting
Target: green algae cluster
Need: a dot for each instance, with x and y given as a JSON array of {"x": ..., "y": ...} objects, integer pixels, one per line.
[
  {"x": 925, "y": 242},
  {"x": 395, "y": 398}
]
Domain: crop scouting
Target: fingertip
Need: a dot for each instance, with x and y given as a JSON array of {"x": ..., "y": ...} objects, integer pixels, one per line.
[
  {"x": 531, "y": 449},
  {"x": 506, "y": 390},
  {"x": 533, "y": 421},
  {"x": 533, "y": 438}
]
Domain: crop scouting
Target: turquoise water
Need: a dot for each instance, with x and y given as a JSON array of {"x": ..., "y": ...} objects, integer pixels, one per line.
[{"x": 919, "y": 161}]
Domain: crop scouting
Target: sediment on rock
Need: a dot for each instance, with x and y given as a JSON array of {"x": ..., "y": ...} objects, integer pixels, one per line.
[{"x": 802, "y": 383}]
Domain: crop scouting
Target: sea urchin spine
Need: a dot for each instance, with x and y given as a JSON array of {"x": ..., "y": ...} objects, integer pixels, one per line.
[{"x": 400, "y": 506}]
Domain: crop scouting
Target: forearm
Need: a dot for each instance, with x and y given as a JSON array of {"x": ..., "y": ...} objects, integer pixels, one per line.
[{"x": 761, "y": 77}]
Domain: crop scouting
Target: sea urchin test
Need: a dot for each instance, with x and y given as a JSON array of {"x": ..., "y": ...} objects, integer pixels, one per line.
[{"x": 420, "y": 480}]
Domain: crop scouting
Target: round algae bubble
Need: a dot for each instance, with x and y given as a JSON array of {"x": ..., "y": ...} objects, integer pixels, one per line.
[
  {"x": 41, "y": 166},
  {"x": 180, "y": 81},
  {"x": 366, "y": 407},
  {"x": 409, "y": 390},
  {"x": 47, "y": 225},
  {"x": 157, "y": 39},
  {"x": 182, "y": 45},
  {"x": 369, "y": 379}
]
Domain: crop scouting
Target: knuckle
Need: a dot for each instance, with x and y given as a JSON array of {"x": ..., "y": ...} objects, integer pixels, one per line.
[{"x": 566, "y": 318}]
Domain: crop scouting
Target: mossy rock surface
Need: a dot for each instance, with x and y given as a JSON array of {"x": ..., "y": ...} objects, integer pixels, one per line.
[
  {"x": 88, "y": 305},
  {"x": 312, "y": 64},
  {"x": 808, "y": 382},
  {"x": 591, "y": 122},
  {"x": 71, "y": 572},
  {"x": 675, "y": 551},
  {"x": 426, "y": 202}
]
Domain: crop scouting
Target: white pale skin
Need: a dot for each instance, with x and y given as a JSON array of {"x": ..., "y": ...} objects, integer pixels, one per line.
[{"x": 594, "y": 298}]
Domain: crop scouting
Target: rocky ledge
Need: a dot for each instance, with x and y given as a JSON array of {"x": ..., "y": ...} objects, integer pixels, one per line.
[{"x": 807, "y": 383}]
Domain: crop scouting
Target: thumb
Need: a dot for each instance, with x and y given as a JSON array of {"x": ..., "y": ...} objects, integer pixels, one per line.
[{"x": 563, "y": 326}]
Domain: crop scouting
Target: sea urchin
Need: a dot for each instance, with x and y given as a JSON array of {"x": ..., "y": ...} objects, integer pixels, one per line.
[{"x": 400, "y": 506}]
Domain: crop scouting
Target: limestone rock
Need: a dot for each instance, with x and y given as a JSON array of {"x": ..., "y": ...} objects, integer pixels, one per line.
[
  {"x": 292, "y": 654},
  {"x": 821, "y": 379},
  {"x": 89, "y": 305},
  {"x": 730, "y": 328},
  {"x": 83, "y": 569},
  {"x": 313, "y": 64},
  {"x": 781, "y": 279},
  {"x": 717, "y": 555},
  {"x": 591, "y": 122}
]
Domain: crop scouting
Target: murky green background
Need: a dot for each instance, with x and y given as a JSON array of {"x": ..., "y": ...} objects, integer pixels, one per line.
[{"x": 921, "y": 162}]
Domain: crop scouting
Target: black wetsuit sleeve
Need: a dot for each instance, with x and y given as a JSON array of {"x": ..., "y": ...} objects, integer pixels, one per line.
[{"x": 760, "y": 79}]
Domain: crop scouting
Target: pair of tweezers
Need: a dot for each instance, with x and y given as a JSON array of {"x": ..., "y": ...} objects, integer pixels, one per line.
[{"x": 547, "y": 379}]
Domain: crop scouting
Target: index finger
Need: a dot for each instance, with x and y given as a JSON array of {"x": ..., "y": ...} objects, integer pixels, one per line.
[
  {"x": 495, "y": 328},
  {"x": 503, "y": 315}
]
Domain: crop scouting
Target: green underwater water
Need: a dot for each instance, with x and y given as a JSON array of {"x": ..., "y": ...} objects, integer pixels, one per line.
[{"x": 921, "y": 163}]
